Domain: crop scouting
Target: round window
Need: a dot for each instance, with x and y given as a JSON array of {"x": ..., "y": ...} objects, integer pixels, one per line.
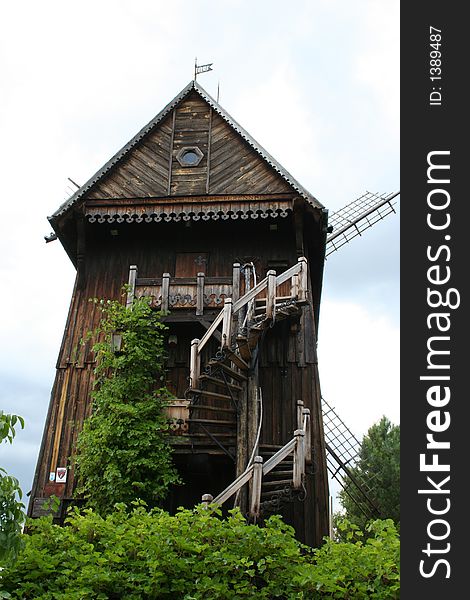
[{"x": 190, "y": 158}]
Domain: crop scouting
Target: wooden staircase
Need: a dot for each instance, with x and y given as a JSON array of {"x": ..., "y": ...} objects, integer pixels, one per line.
[
  {"x": 216, "y": 389},
  {"x": 277, "y": 486},
  {"x": 214, "y": 404}
]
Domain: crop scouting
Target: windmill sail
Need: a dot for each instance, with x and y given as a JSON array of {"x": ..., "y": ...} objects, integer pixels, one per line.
[
  {"x": 343, "y": 454},
  {"x": 353, "y": 219}
]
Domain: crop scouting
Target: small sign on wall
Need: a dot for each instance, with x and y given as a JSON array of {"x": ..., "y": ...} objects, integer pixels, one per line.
[
  {"x": 52, "y": 476},
  {"x": 61, "y": 475}
]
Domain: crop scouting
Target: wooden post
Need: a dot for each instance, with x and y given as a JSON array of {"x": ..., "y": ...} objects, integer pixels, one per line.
[
  {"x": 236, "y": 282},
  {"x": 227, "y": 322},
  {"x": 299, "y": 459},
  {"x": 200, "y": 294},
  {"x": 271, "y": 294},
  {"x": 294, "y": 288},
  {"x": 242, "y": 446},
  {"x": 206, "y": 500},
  {"x": 165, "y": 291},
  {"x": 194, "y": 365},
  {"x": 131, "y": 283},
  {"x": 308, "y": 436},
  {"x": 250, "y": 307},
  {"x": 300, "y": 419},
  {"x": 81, "y": 252},
  {"x": 330, "y": 519},
  {"x": 303, "y": 278},
  {"x": 256, "y": 487}
]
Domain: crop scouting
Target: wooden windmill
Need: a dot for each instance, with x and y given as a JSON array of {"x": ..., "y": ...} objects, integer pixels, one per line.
[{"x": 195, "y": 214}]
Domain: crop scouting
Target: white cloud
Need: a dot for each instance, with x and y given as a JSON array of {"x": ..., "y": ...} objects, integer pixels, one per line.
[
  {"x": 359, "y": 364},
  {"x": 377, "y": 63}
]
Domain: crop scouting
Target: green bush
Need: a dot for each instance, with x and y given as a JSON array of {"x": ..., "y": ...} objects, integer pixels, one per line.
[
  {"x": 194, "y": 555},
  {"x": 11, "y": 508},
  {"x": 358, "y": 568},
  {"x": 123, "y": 452}
]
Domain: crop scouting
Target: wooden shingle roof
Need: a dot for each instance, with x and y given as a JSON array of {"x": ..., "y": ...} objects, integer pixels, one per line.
[{"x": 96, "y": 186}]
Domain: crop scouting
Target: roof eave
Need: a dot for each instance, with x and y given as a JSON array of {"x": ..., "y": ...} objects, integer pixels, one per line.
[{"x": 193, "y": 85}]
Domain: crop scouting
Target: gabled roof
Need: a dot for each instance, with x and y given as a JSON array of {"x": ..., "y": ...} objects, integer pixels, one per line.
[{"x": 193, "y": 86}]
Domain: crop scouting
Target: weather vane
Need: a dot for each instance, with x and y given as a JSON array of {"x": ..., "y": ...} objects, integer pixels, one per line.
[{"x": 201, "y": 68}]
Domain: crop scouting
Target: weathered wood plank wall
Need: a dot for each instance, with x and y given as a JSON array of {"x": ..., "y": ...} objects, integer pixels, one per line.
[
  {"x": 228, "y": 166},
  {"x": 230, "y": 177}
]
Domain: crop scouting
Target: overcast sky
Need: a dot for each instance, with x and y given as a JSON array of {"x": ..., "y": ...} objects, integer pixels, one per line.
[{"x": 315, "y": 82}]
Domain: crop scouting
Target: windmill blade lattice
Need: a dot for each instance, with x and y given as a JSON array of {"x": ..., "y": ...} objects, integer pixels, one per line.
[
  {"x": 353, "y": 219},
  {"x": 343, "y": 454}
]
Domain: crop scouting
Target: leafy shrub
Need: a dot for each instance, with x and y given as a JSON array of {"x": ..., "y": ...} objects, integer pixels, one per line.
[
  {"x": 123, "y": 452},
  {"x": 11, "y": 508},
  {"x": 358, "y": 568},
  {"x": 194, "y": 555}
]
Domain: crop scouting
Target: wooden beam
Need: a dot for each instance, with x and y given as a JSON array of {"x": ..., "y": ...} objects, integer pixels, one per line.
[
  {"x": 170, "y": 158},
  {"x": 60, "y": 421},
  {"x": 294, "y": 289},
  {"x": 200, "y": 294},
  {"x": 215, "y": 323},
  {"x": 235, "y": 486},
  {"x": 235, "y": 281},
  {"x": 209, "y": 146},
  {"x": 81, "y": 251},
  {"x": 206, "y": 500},
  {"x": 131, "y": 283},
  {"x": 255, "y": 500},
  {"x": 227, "y": 322},
  {"x": 299, "y": 458},
  {"x": 242, "y": 451},
  {"x": 308, "y": 436},
  {"x": 165, "y": 291},
  {"x": 194, "y": 364},
  {"x": 303, "y": 278},
  {"x": 271, "y": 294},
  {"x": 300, "y": 418},
  {"x": 253, "y": 410},
  {"x": 279, "y": 456},
  {"x": 299, "y": 227}
]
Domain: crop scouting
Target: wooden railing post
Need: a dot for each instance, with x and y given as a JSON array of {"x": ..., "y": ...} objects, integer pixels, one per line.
[
  {"x": 131, "y": 284},
  {"x": 271, "y": 294},
  {"x": 299, "y": 458},
  {"x": 236, "y": 282},
  {"x": 294, "y": 286},
  {"x": 227, "y": 322},
  {"x": 256, "y": 487},
  {"x": 165, "y": 291},
  {"x": 300, "y": 419},
  {"x": 308, "y": 436},
  {"x": 206, "y": 500},
  {"x": 194, "y": 365},
  {"x": 303, "y": 278},
  {"x": 200, "y": 294}
]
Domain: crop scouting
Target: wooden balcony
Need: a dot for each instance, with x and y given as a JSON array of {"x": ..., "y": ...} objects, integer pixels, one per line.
[{"x": 169, "y": 293}]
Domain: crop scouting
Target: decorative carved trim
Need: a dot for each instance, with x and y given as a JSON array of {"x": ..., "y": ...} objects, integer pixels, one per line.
[{"x": 102, "y": 215}]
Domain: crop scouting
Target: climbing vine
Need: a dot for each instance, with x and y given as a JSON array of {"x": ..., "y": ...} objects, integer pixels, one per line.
[{"x": 123, "y": 452}]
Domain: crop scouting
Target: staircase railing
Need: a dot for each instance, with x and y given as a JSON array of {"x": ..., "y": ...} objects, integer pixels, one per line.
[
  {"x": 299, "y": 446},
  {"x": 298, "y": 275}
]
